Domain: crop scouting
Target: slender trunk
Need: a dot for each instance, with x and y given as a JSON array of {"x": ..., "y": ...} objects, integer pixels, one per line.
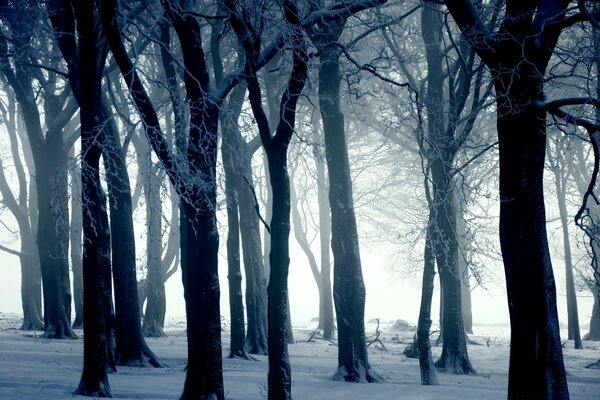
[
  {"x": 76, "y": 244},
  {"x": 279, "y": 378},
  {"x": 572, "y": 313},
  {"x": 302, "y": 240},
  {"x": 256, "y": 281},
  {"x": 326, "y": 302},
  {"x": 230, "y": 151},
  {"x": 428, "y": 374}
]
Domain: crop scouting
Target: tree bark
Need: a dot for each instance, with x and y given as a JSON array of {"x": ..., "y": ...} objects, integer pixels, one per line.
[
  {"x": 428, "y": 374},
  {"x": 348, "y": 285},
  {"x": 75, "y": 235},
  {"x": 536, "y": 366},
  {"x": 230, "y": 151},
  {"x": 594, "y": 332},
  {"x": 560, "y": 181},
  {"x": 96, "y": 236}
]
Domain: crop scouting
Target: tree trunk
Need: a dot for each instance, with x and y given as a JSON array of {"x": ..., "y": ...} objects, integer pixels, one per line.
[
  {"x": 326, "y": 302},
  {"x": 594, "y": 333},
  {"x": 53, "y": 236},
  {"x": 444, "y": 240},
  {"x": 280, "y": 374},
  {"x": 76, "y": 244},
  {"x": 572, "y": 312},
  {"x": 428, "y": 374},
  {"x": 18, "y": 206},
  {"x": 154, "y": 316},
  {"x": 536, "y": 362},
  {"x": 96, "y": 237},
  {"x": 348, "y": 286},
  {"x": 256, "y": 281},
  {"x": 230, "y": 151},
  {"x": 131, "y": 347}
]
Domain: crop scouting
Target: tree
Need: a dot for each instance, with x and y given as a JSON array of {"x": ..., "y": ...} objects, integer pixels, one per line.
[
  {"x": 528, "y": 32},
  {"x": 130, "y": 346},
  {"x": 348, "y": 284},
  {"x": 49, "y": 152},
  {"x": 275, "y": 145},
  {"x": 96, "y": 241},
  {"x": 561, "y": 172},
  {"x": 195, "y": 182},
  {"x": 19, "y": 207}
]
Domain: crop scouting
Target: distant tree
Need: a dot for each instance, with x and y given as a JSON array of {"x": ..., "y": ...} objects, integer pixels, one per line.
[
  {"x": 557, "y": 159},
  {"x": 18, "y": 205},
  {"x": 49, "y": 151}
]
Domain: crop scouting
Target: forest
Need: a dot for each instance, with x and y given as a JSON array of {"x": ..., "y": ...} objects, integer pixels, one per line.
[{"x": 143, "y": 140}]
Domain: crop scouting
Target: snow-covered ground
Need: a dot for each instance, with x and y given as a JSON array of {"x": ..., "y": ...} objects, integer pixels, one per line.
[{"x": 35, "y": 368}]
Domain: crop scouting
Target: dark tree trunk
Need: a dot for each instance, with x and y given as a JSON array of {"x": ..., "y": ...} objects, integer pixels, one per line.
[
  {"x": 280, "y": 374},
  {"x": 536, "y": 362},
  {"x": 536, "y": 369},
  {"x": 53, "y": 237},
  {"x": 273, "y": 88},
  {"x": 428, "y": 374},
  {"x": 131, "y": 347},
  {"x": 348, "y": 285},
  {"x": 96, "y": 237},
  {"x": 276, "y": 146},
  {"x": 197, "y": 188}
]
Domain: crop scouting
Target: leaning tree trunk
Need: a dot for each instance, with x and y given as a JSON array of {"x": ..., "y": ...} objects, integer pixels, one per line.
[{"x": 536, "y": 361}]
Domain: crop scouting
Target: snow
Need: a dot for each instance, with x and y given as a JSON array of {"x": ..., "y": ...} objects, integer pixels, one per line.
[{"x": 37, "y": 368}]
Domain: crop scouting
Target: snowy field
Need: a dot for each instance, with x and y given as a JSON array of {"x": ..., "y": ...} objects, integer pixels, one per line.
[{"x": 36, "y": 368}]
